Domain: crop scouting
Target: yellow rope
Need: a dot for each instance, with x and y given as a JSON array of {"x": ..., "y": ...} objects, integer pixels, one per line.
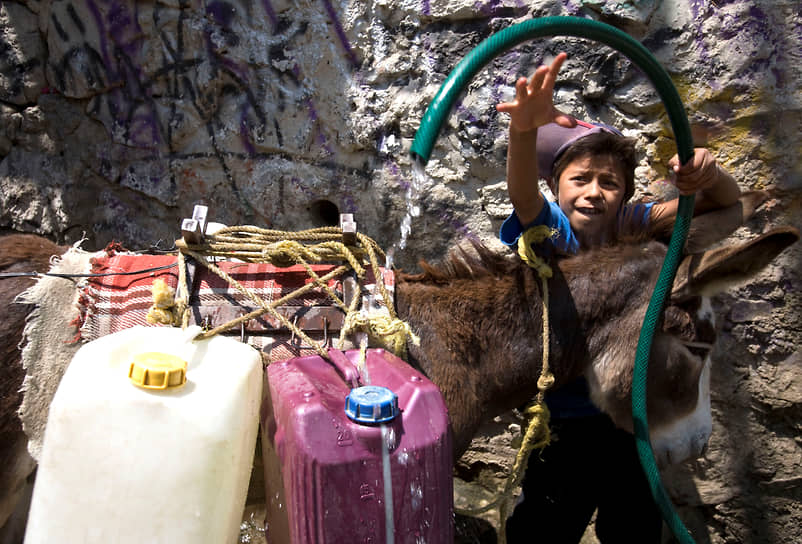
[
  {"x": 253, "y": 244},
  {"x": 538, "y": 434},
  {"x": 161, "y": 312},
  {"x": 388, "y": 332},
  {"x": 182, "y": 311},
  {"x": 166, "y": 308},
  {"x": 535, "y": 235},
  {"x": 353, "y": 310},
  {"x": 372, "y": 250}
]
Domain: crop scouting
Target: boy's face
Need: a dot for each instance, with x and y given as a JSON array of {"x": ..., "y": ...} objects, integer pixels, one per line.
[{"x": 590, "y": 192}]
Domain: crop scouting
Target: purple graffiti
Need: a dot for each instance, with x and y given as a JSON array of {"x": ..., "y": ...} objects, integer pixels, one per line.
[
  {"x": 303, "y": 188},
  {"x": 129, "y": 95},
  {"x": 222, "y": 12},
  {"x": 464, "y": 112},
  {"x": 574, "y": 6},
  {"x": 143, "y": 130},
  {"x": 338, "y": 29},
  {"x": 102, "y": 35},
  {"x": 321, "y": 138},
  {"x": 271, "y": 14},
  {"x": 392, "y": 167},
  {"x": 493, "y": 7},
  {"x": 697, "y": 7},
  {"x": 313, "y": 116},
  {"x": 350, "y": 204},
  {"x": 456, "y": 225},
  {"x": 244, "y": 131}
]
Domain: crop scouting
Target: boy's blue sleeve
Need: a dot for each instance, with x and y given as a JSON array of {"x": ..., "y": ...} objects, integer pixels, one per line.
[
  {"x": 639, "y": 214},
  {"x": 552, "y": 216}
]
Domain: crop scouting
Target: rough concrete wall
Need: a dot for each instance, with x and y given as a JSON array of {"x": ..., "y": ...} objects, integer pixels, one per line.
[{"x": 117, "y": 117}]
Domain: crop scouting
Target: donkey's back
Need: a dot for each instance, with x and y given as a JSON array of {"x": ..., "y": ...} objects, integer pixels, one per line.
[{"x": 19, "y": 253}]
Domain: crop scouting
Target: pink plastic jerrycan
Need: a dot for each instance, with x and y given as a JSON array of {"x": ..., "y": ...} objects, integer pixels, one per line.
[{"x": 345, "y": 462}]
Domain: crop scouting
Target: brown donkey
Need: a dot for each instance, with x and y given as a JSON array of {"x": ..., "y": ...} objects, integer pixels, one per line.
[
  {"x": 18, "y": 253},
  {"x": 479, "y": 321},
  {"x": 478, "y": 316}
]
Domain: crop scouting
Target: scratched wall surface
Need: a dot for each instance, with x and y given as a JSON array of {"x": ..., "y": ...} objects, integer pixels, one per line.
[{"x": 117, "y": 116}]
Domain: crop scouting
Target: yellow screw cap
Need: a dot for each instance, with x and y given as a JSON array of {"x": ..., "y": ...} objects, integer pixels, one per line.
[{"x": 154, "y": 370}]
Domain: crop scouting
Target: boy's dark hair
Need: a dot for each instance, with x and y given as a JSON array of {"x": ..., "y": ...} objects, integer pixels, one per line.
[{"x": 622, "y": 149}]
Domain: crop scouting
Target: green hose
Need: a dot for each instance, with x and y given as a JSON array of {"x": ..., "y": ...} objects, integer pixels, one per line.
[{"x": 439, "y": 109}]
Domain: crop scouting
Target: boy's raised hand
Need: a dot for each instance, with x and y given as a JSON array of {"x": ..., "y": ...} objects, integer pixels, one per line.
[
  {"x": 533, "y": 105},
  {"x": 699, "y": 173}
]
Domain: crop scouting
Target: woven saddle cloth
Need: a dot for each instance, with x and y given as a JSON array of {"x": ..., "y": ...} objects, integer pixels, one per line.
[{"x": 108, "y": 304}]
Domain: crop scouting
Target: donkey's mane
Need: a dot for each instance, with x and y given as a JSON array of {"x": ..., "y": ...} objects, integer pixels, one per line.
[{"x": 470, "y": 259}]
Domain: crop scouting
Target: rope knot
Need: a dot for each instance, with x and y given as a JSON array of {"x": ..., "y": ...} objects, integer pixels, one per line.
[
  {"x": 388, "y": 332},
  {"x": 545, "y": 381},
  {"x": 165, "y": 309},
  {"x": 538, "y": 434},
  {"x": 287, "y": 252},
  {"x": 535, "y": 235}
]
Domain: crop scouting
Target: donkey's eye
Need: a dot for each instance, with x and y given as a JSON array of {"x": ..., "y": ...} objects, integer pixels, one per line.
[{"x": 692, "y": 322}]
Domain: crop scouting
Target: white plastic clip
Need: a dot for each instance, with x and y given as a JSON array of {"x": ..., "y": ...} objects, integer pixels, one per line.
[
  {"x": 193, "y": 230},
  {"x": 348, "y": 226}
]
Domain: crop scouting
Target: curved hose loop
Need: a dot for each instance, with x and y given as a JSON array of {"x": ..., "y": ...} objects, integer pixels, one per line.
[{"x": 440, "y": 108}]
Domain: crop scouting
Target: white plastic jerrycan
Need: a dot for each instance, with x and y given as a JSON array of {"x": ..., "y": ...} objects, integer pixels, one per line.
[{"x": 150, "y": 438}]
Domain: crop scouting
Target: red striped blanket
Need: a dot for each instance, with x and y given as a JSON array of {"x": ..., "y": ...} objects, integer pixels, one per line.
[{"x": 108, "y": 304}]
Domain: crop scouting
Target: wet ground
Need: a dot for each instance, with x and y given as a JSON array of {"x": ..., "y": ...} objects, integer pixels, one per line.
[{"x": 468, "y": 530}]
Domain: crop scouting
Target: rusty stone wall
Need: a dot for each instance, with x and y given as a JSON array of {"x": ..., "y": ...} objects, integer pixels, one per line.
[{"x": 116, "y": 117}]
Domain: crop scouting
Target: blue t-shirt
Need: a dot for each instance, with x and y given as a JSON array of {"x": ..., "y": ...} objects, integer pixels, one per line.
[
  {"x": 566, "y": 242},
  {"x": 573, "y": 399}
]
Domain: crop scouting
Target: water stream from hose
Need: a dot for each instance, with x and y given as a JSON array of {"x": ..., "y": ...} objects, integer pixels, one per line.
[{"x": 412, "y": 197}]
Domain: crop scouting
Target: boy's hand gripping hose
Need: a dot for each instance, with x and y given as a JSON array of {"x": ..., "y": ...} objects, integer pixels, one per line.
[{"x": 440, "y": 108}]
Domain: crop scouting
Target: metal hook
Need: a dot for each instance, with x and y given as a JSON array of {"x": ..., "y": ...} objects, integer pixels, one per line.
[{"x": 242, "y": 329}]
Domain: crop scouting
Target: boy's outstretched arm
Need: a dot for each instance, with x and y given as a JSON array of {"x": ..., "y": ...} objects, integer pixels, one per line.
[
  {"x": 715, "y": 188},
  {"x": 531, "y": 108}
]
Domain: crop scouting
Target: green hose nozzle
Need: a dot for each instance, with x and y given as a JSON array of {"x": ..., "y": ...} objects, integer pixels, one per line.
[{"x": 439, "y": 109}]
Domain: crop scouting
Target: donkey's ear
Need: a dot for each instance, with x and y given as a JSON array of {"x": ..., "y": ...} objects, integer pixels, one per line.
[
  {"x": 712, "y": 227},
  {"x": 718, "y": 269}
]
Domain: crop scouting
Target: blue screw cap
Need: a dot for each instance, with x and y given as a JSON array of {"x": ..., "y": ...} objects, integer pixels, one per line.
[{"x": 371, "y": 404}]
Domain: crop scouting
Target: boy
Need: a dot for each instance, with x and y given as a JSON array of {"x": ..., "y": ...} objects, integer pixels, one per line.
[{"x": 591, "y": 465}]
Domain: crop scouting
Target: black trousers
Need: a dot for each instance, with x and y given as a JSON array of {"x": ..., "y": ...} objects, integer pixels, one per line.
[{"x": 589, "y": 465}]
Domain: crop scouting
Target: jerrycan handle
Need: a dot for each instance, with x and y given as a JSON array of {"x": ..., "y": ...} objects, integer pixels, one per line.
[{"x": 345, "y": 367}]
